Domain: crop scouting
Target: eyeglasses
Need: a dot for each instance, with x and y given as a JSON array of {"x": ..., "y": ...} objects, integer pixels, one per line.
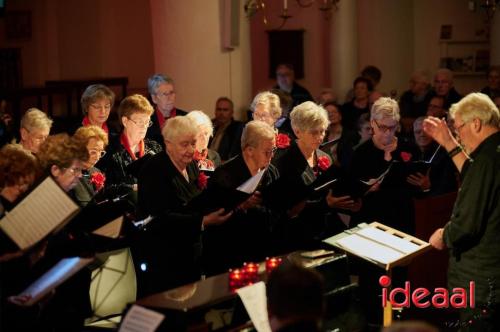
[
  {"x": 270, "y": 153},
  {"x": 386, "y": 129},
  {"x": 97, "y": 153},
  {"x": 165, "y": 94},
  {"x": 74, "y": 170},
  {"x": 457, "y": 129},
  {"x": 106, "y": 107},
  {"x": 262, "y": 116},
  {"x": 141, "y": 123}
]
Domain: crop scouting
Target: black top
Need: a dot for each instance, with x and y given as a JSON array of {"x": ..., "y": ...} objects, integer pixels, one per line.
[
  {"x": 230, "y": 144},
  {"x": 299, "y": 94},
  {"x": 412, "y": 106},
  {"x": 351, "y": 114},
  {"x": 474, "y": 228},
  {"x": 154, "y": 132},
  {"x": 170, "y": 246},
  {"x": 245, "y": 237},
  {"x": 450, "y": 99}
]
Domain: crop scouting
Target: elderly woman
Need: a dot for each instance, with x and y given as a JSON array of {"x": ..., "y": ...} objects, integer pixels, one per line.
[
  {"x": 207, "y": 159},
  {"x": 299, "y": 166},
  {"x": 63, "y": 158},
  {"x": 35, "y": 128},
  {"x": 232, "y": 244},
  {"x": 168, "y": 255},
  {"x": 135, "y": 112},
  {"x": 18, "y": 169},
  {"x": 95, "y": 140},
  {"x": 97, "y": 102}
]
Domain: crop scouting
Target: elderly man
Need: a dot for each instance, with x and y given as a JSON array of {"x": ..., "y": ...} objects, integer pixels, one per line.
[
  {"x": 413, "y": 102},
  {"x": 162, "y": 91},
  {"x": 443, "y": 86},
  {"x": 285, "y": 80},
  {"x": 474, "y": 228},
  {"x": 235, "y": 242},
  {"x": 227, "y": 131}
]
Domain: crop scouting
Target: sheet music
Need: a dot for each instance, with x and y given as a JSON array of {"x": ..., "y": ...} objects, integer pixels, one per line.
[
  {"x": 58, "y": 274},
  {"x": 324, "y": 185},
  {"x": 38, "y": 214},
  {"x": 111, "y": 229},
  {"x": 363, "y": 247},
  {"x": 255, "y": 301},
  {"x": 250, "y": 185},
  {"x": 388, "y": 239},
  {"x": 140, "y": 319},
  {"x": 379, "y": 179}
]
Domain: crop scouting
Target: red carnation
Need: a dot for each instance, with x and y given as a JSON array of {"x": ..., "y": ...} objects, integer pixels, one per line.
[
  {"x": 282, "y": 141},
  {"x": 323, "y": 163},
  {"x": 202, "y": 180},
  {"x": 97, "y": 179},
  {"x": 406, "y": 156}
]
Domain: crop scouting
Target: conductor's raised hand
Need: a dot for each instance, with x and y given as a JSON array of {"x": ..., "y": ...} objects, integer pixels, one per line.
[{"x": 439, "y": 131}]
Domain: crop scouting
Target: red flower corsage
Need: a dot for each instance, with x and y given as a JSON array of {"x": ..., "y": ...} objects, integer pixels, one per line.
[
  {"x": 323, "y": 163},
  {"x": 405, "y": 156},
  {"x": 202, "y": 181},
  {"x": 282, "y": 141},
  {"x": 97, "y": 179}
]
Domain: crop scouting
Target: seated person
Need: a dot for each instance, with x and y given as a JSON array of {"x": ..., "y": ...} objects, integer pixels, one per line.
[
  {"x": 167, "y": 254},
  {"x": 436, "y": 107},
  {"x": 493, "y": 88},
  {"x": 444, "y": 87},
  {"x": 295, "y": 299},
  {"x": 35, "y": 128},
  {"x": 206, "y": 158},
  {"x": 227, "y": 131},
  {"x": 285, "y": 81},
  {"x": 441, "y": 177},
  {"x": 360, "y": 104},
  {"x": 231, "y": 244},
  {"x": 413, "y": 102},
  {"x": 135, "y": 112}
]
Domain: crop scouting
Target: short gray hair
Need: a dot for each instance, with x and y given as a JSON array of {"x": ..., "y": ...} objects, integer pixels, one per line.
[
  {"x": 477, "y": 105},
  {"x": 178, "y": 126},
  {"x": 201, "y": 119},
  {"x": 35, "y": 119},
  {"x": 385, "y": 107},
  {"x": 255, "y": 132},
  {"x": 445, "y": 71},
  {"x": 309, "y": 115},
  {"x": 269, "y": 100},
  {"x": 155, "y": 81}
]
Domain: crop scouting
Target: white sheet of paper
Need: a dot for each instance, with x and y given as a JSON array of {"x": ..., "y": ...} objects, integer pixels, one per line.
[
  {"x": 140, "y": 319},
  {"x": 388, "y": 239},
  {"x": 251, "y": 184},
  {"x": 38, "y": 214},
  {"x": 379, "y": 179},
  {"x": 363, "y": 247},
  {"x": 255, "y": 301},
  {"x": 58, "y": 274}
]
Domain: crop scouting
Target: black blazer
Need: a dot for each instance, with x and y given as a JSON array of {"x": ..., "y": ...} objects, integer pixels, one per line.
[
  {"x": 154, "y": 132},
  {"x": 230, "y": 144},
  {"x": 170, "y": 246}
]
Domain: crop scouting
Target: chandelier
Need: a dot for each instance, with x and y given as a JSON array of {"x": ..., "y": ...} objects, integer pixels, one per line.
[{"x": 325, "y": 6}]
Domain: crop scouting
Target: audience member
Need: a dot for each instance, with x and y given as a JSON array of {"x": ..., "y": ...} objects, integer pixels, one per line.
[
  {"x": 285, "y": 80},
  {"x": 413, "y": 103},
  {"x": 162, "y": 91},
  {"x": 295, "y": 299},
  {"x": 436, "y": 108},
  {"x": 227, "y": 131},
  {"x": 35, "y": 128},
  {"x": 493, "y": 87},
  {"x": 352, "y": 110},
  {"x": 443, "y": 87}
]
